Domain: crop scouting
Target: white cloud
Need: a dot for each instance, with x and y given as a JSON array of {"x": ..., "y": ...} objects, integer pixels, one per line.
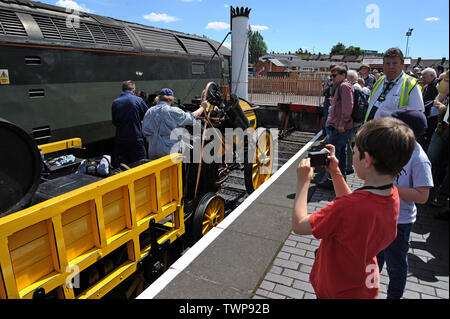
[
  {"x": 160, "y": 17},
  {"x": 226, "y": 6},
  {"x": 217, "y": 26},
  {"x": 259, "y": 27},
  {"x": 70, "y": 4},
  {"x": 431, "y": 19},
  {"x": 227, "y": 44}
]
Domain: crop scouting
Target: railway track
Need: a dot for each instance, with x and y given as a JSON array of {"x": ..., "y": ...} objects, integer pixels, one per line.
[{"x": 233, "y": 189}]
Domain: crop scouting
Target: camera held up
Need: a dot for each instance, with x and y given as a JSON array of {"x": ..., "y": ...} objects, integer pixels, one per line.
[{"x": 319, "y": 158}]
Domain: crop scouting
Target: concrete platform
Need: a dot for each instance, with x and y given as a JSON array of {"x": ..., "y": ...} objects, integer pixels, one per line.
[{"x": 253, "y": 254}]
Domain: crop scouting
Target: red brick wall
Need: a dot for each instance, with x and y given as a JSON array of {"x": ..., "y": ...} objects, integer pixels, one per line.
[{"x": 267, "y": 65}]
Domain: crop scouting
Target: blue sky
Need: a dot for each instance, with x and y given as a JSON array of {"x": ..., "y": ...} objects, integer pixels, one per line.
[{"x": 288, "y": 25}]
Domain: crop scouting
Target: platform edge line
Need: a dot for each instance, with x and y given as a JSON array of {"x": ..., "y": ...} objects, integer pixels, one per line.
[{"x": 204, "y": 242}]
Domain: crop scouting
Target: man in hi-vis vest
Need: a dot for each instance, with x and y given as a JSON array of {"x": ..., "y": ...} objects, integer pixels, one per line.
[{"x": 395, "y": 89}]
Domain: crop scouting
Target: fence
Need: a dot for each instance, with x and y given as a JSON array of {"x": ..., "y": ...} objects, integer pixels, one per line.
[{"x": 275, "y": 90}]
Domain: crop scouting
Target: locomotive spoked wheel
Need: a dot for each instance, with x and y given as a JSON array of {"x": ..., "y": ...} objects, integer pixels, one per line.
[
  {"x": 259, "y": 169},
  {"x": 209, "y": 213}
]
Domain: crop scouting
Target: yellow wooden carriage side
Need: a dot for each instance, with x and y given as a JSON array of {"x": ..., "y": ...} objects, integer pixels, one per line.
[{"x": 43, "y": 246}]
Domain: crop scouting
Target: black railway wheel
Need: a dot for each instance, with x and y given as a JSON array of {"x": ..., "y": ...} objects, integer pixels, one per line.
[
  {"x": 258, "y": 168},
  {"x": 208, "y": 214},
  {"x": 20, "y": 168}
]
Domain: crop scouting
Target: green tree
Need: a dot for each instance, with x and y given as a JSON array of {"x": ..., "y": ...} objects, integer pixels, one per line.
[
  {"x": 339, "y": 48},
  {"x": 351, "y": 50},
  {"x": 256, "y": 47}
]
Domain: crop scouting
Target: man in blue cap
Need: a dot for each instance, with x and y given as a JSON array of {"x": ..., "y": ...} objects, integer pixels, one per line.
[
  {"x": 127, "y": 113},
  {"x": 413, "y": 184},
  {"x": 161, "y": 120}
]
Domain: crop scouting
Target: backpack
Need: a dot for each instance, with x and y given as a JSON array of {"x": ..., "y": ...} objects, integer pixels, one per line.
[
  {"x": 359, "y": 107},
  {"x": 96, "y": 167}
]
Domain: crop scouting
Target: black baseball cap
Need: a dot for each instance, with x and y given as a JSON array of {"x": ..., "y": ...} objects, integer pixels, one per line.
[{"x": 415, "y": 119}]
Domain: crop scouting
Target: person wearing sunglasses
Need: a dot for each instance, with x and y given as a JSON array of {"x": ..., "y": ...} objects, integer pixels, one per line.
[{"x": 340, "y": 123}]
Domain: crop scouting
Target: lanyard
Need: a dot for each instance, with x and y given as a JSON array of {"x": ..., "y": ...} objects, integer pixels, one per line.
[
  {"x": 387, "y": 88},
  {"x": 376, "y": 187}
]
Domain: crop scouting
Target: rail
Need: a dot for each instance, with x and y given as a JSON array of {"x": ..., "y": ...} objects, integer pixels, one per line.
[{"x": 60, "y": 145}]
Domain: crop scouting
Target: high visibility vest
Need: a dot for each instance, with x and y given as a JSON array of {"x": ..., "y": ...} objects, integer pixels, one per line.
[{"x": 409, "y": 82}]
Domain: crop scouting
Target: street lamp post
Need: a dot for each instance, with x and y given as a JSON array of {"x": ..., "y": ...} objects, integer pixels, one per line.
[{"x": 408, "y": 34}]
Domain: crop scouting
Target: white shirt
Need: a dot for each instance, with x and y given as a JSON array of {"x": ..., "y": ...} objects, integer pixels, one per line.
[
  {"x": 446, "y": 116},
  {"x": 388, "y": 106},
  {"x": 417, "y": 173}
]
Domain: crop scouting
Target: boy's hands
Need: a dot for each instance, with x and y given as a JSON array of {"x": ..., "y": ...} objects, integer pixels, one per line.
[
  {"x": 305, "y": 172},
  {"x": 333, "y": 165}
]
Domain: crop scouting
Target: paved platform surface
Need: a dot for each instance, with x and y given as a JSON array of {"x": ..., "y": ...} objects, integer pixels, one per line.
[
  {"x": 428, "y": 277},
  {"x": 257, "y": 255}
]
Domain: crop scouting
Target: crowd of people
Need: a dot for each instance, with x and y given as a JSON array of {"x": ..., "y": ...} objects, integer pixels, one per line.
[{"x": 401, "y": 154}]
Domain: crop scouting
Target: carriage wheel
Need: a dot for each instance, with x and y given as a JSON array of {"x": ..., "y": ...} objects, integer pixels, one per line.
[
  {"x": 259, "y": 170},
  {"x": 209, "y": 213}
]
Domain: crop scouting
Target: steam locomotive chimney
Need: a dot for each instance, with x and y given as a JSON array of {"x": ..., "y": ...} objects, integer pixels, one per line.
[{"x": 239, "y": 47}]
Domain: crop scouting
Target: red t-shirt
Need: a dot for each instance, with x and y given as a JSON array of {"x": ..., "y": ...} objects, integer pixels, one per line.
[{"x": 354, "y": 229}]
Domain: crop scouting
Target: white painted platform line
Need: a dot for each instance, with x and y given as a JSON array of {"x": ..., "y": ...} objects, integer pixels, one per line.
[{"x": 204, "y": 242}]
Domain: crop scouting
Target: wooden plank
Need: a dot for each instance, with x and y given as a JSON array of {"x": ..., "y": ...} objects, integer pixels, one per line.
[
  {"x": 77, "y": 230},
  {"x": 80, "y": 247},
  {"x": 142, "y": 183},
  {"x": 30, "y": 275},
  {"x": 28, "y": 255},
  {"x": 113, "y": 211},
  {"x": 27, "y": 235},
  {"x": 115, "y": 227},
  {"x": 75, "y": 213},
  {"x": 112, "y": 196}
]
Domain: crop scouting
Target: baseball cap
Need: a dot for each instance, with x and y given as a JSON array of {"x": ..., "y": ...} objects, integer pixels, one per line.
[
  {"x": 416, "y": 120},
  {"x": 166, "y": 92}
]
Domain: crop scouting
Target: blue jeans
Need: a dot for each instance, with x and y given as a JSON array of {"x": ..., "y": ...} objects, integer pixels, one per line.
[
  {"x": 396, "y": 258},
  {"x": 340, "y": 142}
]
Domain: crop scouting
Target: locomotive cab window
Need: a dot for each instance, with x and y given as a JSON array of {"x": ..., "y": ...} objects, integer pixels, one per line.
[{"x": 198, "y": 68}]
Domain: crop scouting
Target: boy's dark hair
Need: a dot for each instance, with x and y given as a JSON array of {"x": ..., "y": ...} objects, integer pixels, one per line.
[
  {"x": 394, "y": 52},
  {"x": 389, "y": 141},
  {"x": 339, "y": 69}
]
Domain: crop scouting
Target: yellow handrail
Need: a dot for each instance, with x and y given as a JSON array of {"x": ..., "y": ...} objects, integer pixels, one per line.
[{"x": 60, "y": 145}]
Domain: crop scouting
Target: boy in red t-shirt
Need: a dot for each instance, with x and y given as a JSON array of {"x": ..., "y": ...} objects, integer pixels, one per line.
[{"x": 356, "y": 226}]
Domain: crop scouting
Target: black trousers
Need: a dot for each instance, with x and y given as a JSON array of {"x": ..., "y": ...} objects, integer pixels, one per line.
[{"x": 127, "y": 152}]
